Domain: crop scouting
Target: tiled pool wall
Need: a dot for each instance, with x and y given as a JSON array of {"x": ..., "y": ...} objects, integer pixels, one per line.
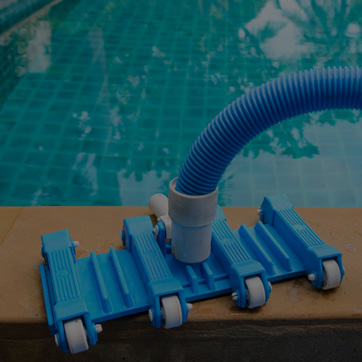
[
  {"x": 102, "y": 101},
  {"x": 14, "y": 11}
]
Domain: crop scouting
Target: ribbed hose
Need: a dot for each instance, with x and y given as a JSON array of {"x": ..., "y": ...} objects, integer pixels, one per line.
[{"x": 256, "y": 111}]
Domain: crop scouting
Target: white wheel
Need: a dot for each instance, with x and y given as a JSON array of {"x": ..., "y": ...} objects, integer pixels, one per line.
[
  {"x": 255, "y": 292},
  {"x": 331, "y": 274},
  {"x": 76, "y": 336},
  {"x": 171, "y": 312}
]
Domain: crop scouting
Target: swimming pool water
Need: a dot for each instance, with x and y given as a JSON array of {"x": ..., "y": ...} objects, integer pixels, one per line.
[{"x": 100, "y": 101}]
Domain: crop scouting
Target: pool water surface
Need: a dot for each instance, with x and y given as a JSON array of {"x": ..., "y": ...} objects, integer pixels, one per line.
[{"x": 100, "y": 101}]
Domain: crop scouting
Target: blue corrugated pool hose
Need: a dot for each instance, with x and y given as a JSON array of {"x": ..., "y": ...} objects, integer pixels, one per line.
[{"x": 266, "y": 105}]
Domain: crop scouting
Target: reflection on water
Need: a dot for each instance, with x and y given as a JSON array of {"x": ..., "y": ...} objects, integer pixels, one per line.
[
  {"x": 103, "y": 100},
  {"x": 38, "y": 50}
]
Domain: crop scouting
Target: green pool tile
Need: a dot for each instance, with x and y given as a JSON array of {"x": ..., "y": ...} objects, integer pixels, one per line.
[
  {"x": 69, "y": 145},
  {"x": 8, "y": 172},
  {"x": 31, "y": 174},
  {"x": 25, "y": 128},
  {"x": 118, "y": 149},
  {"x": 37, "y": 158},
  {"x": 6, "y": 126},
  {"x": 22, "y": 190},
  {"x": 331, "y": 150},
  {"x": 60, "y": 106},
  {"x": 268, "y": 184},
  {"x": 64, "y": 160},
  {"x": 166, "y": 150},
  {"x": 66, "y": 95},
  {"x": 50, "y": 129},
  {"x": 12, "y": 156},
  {"x": 289, "y": 183},
  {"x": 141, "y": 164},
  {"x": 81, "y": 195},
  {"x": 44, "y": 144},
  {"x": 153, "y": 112},
  {"x": 4, "y": 188},
  {"x": 227, "y": 198},
  {"x": 108, "y": 180},
  {"x": 38, "y": 105},
  {"x": 317, "y": 198},
  {"x": 169, "y": 164},
  {"x": 134, "y": 197},
  {"x": 336, "y": 166},
  {"x": 9, "y": 113},
  {"x": 352, "y": 149},
  {"x": 262, "y": 167},
  {"x": 69, "y": 86},
  {"x": 59, "y": 175},
  {"x": 311, "y": 166},
  {"x": 287, "y": 166},
  {"x": 73, "y": 131},
  {"x": 93, "y": 147},
  {"x": 107, "y": 197},
  {"x": 195, "y": 113},
  {"x": 298, "y": 198},
  {"x": 51, "y": 195},
  {"x": 20, "y": 141},
  {"x": 315, "y": 182},
  {"x": 339, "y": 181},
  {"x": 358, "y": 195},
  {"x": 33, "y": 116}
]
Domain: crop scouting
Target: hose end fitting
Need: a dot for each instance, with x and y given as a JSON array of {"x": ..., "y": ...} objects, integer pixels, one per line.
[{"x": 192, "y": 218}]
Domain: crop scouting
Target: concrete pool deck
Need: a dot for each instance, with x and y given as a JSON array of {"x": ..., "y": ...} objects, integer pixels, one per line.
[{"x": 297, "y": 321}]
